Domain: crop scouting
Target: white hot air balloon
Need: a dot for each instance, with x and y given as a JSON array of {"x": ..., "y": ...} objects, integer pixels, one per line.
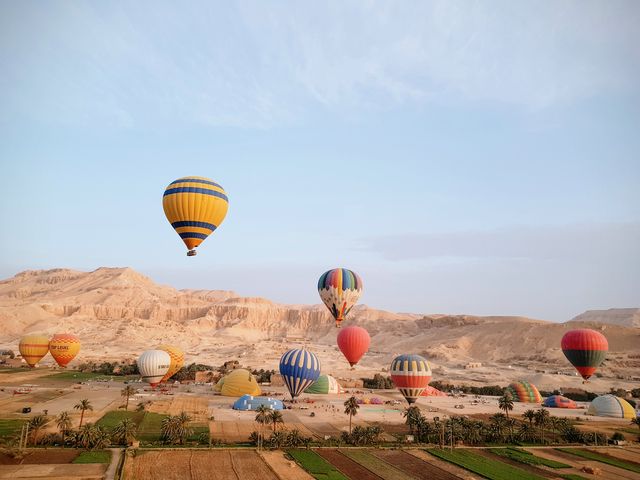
[{"x": 153, "y": 364}]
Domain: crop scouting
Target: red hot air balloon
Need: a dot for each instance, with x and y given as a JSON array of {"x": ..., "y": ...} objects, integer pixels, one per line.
[
  {"x": 353, "y": 343},
  {"x": 586, "y": 349}
]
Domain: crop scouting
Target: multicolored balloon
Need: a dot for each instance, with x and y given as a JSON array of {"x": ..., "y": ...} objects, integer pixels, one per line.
[
  {"x": 64, "y": 347},
  {"x": 195, "y": 207},
  {"x": 586, "y": 349},
  {"x": 353, "y": 342},
  {"x": 177, "y": 360},
  {"x": 339, "y": 289},
  {"x": 411, "y": 374},
  {"x": 33, "y": 348},
  {"x": 299, "y": 369},
  {"x": 524, "y": 392},
  {"x": 153, "y": 365}
]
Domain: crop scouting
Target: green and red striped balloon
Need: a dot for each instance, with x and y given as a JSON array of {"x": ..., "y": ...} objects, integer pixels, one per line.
[{"x": 586, "y": 349}]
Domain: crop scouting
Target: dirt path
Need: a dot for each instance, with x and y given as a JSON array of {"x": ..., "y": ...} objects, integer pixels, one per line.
[
  {"x": 347, "y": 466},
  {"x": 413, "y": 465},
  {"x": 619, "y": 453},
  {"x": 285, "y": 469},
  {"x": 116, "y": 453},
  {"x": 71, "y": 471}
]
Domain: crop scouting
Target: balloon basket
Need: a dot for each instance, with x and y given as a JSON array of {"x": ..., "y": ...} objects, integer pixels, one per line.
[{"x": 191, "y": 253}]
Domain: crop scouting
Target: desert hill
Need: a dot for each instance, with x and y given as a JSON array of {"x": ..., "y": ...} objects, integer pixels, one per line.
[
  {"x": 118, "y": 313},
  {"x": 628, "y": 317}
]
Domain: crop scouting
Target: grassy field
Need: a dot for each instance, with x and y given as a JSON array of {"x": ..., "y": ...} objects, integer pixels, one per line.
[
  {"x": 150, "y": 428},
  {"x": 98, "y": 456},
  {"x": 572, "y": 476},
  {"x": 380, "y": 467},
  {"x": 523, "y": 456},
  {"x": 603, "y": 459},
  {"x": 10, "y": 427},
  {"x": 13, "y": 370},
  {"x": 494, "y": 470},
  {"x": 111, "y": 419},
  {"x": 317, "y": 466}
]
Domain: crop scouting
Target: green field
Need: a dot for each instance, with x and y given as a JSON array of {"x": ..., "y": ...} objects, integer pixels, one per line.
[
  {"x": 572, "y": 476},
  {"x": 111, "y": 419},
  {"x": 376, "y": 465},
  {"x": 150, "y": 428},
  {"x": 632, "y": 467},
  {"x": 13, "y": 370},
  {"x": 492, "y": 469},
  {"x": 317, "y": 466},
  {"x": 523, "y": 456},
  {"x": 10, "y": 427},
  {"x": 98, "y": 456}
]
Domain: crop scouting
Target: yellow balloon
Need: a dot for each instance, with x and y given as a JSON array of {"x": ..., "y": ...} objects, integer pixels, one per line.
[
  {"x": 177, "y": 360},
  {"x": 195, "y": 207},
  {"x": 237, "y": 383},
  {"x": 64, "y": 347},
  {"x": 33, "y": 348}
]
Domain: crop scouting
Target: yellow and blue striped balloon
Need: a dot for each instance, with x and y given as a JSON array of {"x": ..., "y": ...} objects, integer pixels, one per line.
[
  {"x": 195, "y": 207},
  {"x": 299, "y": 369}
]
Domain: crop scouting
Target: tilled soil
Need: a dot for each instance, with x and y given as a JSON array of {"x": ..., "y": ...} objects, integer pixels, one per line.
[
  {"x": 347, "y": 466},
  {"x": 413, "y": 466}
]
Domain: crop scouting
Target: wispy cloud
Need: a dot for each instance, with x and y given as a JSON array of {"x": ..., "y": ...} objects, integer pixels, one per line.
[{"x": 257, "y": 64}]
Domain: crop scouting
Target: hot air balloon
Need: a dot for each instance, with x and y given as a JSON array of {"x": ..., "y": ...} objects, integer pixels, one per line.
[
  {"x": 586, "y": 349},
  {"x": 153, "y": 364},
  {"x": 33, "y": 348},
  {"x": 195, "y": 207},
  {"x": 411, "y": 374},
  {"x": 64, "y": 347},
  {"x": 238, "y": 382},
  {"x": 299, "y": 369},
  {"x": 353, "y": 343},
  {"x": 177, "y": 360},
  {"x": 339, "y": 289},
  {"x": 523, "y": 391}
]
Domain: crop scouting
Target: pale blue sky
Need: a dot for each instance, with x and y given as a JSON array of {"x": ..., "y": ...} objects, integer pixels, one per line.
[{"x": 463, "y": 157}]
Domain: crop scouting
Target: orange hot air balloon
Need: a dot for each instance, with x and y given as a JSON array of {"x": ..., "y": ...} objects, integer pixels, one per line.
[
  {"x": 177, "y": 360},
  {"x": 33, "y": 348},
  {"x": 64, "y": 347},
  {"x": 353, "y": 343}
]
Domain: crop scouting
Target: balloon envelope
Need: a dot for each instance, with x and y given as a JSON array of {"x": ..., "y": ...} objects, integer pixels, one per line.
[
  {"x": 353, "y": 343},
  {"x": 586, "y": 349},
  {"x": 195, "y": 207},
  {"x": 153, "y": 364},
  {"x": 525, "y": 392},
  {"x": 299, "y": 369},
  {"x": 33, "y": 348},
  {"x": 177, "y": 360},
  {"x": 339, "y": 290},
  {"x": 64, "y": 347},
  {"x": 411, "y": 374},
  {"x": 237, "y": 383}
]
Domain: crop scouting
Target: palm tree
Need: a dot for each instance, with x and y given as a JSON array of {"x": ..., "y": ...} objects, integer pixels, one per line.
[
  {"x": 63, "y": 421},
  {"x": 541, "y": 420},
  {"x": 89, "y": 436},
  {"x": 474, "y": 432},
  {"x": 183, "y": 423},
  {"x": 412, "y": 414},
  {"x": 82, "y": 406},
  {"x": 275, "y": 417},
  {"x": 36, "y": 425},
  {"x": 127, "y": 392},
  {"x": 125, "y": 431},
  {"x": 506, "y": 403},
  {"x": 529, "y": 415},
  {"x": 263, "y": 416},
  {"x": 498, "y": 422},
  {"x": 351, "y": 409},
  {"x": 555, "y": 423},
  {"x": 169, "y": 429}
]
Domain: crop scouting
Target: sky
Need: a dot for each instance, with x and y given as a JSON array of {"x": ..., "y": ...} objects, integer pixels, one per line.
[{"x": 462, "y": 157}]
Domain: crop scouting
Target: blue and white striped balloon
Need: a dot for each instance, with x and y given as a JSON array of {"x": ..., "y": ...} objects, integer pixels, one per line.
[{"x": 299, "y": 369}]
